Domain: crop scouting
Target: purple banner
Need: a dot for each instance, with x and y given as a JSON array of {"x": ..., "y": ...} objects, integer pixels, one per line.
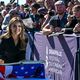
[{"x": 59, "y": 52}]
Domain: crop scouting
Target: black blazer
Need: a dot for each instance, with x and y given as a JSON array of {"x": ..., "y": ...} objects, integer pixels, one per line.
[{"x": 10, "y": 52}]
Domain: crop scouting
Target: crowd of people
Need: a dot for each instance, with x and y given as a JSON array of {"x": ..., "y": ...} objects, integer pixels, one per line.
[{"x": 47, "y": 16}]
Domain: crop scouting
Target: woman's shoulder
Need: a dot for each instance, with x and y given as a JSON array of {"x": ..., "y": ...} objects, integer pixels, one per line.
[{"x": 4, "y": 36}]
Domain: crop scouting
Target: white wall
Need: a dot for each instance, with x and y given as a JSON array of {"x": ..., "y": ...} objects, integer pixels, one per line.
[{"x": 20, "y": 1}]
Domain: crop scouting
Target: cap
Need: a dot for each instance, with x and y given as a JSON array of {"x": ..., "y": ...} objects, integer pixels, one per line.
[
  {"x": 59, "y": 2},
  {"x": 42, "y": 10}
]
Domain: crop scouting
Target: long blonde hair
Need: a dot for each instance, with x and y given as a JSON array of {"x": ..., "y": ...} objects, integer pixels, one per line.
[{"x": 8, "y": 34}]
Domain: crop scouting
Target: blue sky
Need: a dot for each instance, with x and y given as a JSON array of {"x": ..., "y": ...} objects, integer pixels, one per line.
[{"x": 20, "y": 1}]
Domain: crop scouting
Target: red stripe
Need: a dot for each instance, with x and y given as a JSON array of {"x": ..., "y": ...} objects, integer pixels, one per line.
[
  {"x": 2, "y": 69},
  {"x": 2, "y": 79}
]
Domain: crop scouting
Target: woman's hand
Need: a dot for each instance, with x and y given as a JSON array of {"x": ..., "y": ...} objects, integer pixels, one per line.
[{"x": 1, "y": 61}]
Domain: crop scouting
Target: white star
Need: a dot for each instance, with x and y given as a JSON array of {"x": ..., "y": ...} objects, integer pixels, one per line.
[
  {"x": 32, "y": 67},
  {"x": 26, "y": 72},
  {"x": 22, "y": 68},
  {"x": 16, "y": 72}
]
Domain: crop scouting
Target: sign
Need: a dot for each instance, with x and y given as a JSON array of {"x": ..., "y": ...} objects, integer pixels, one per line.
[{"x": 59, "y": 52}]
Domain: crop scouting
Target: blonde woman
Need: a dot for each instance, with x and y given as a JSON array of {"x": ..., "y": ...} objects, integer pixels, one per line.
[{"x": 13, "y": 43}]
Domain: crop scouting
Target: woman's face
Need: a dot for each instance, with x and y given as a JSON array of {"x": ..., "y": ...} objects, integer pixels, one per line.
[{"x": 16, "y": 28}]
